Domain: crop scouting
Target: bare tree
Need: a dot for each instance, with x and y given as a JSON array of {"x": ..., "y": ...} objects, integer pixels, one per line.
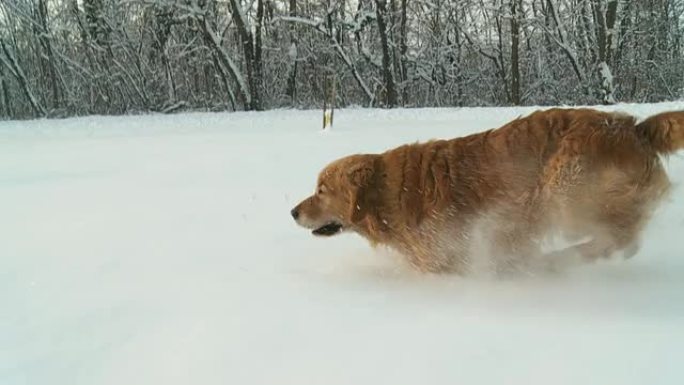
[
  {"x": 9, "y": 60},
  {"x": 387, "y": 62},
  {"x": 252, "y": 49},
  {"x": 75, "y": 57},
  {"x": 291, "y": 90},
  {"x": 516, "y": 9}
]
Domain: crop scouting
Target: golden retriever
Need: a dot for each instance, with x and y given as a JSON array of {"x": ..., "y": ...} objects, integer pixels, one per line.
[{"x": 578, "y": 173}]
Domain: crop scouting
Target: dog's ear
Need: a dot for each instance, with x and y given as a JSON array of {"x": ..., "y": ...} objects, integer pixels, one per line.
[
  {"x": 361, "y": 172},
  {"x": 361, "y": 175}
]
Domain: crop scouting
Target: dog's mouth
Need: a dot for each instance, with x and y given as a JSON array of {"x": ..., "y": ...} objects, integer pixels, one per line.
[{"x": 327, "y": 230}]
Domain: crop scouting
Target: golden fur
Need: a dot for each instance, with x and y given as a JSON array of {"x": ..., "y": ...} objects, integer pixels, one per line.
[{"x": 575, "y": 172}]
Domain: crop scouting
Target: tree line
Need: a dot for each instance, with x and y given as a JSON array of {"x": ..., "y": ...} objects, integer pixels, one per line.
[{"x": 77, "y": 57}]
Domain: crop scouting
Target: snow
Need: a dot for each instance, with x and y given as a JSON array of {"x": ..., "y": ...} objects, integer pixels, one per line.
[
  {"x": 606, "y": 82},
  {"x": 159, "y": 250},
  {"x": 292, "y": 51}
]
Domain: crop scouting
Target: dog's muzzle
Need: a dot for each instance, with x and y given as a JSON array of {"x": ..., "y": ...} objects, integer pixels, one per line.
[{"x": 326, "y": 230}]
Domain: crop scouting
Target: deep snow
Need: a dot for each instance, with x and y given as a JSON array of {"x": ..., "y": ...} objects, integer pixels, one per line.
[{"x": 159, "y": 250}]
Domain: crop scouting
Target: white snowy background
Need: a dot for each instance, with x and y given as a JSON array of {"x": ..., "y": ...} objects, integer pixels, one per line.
[{"x": 159, "y": 250}]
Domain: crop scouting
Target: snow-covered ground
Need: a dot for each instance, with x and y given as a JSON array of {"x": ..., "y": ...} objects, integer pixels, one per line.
[{"x": 160, "y": 250}]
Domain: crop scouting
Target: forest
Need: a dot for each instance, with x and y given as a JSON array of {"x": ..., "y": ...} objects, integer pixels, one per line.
[{"x": 61, "y": 58}]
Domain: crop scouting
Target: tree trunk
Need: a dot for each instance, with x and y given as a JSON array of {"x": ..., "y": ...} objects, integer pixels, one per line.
[
  {"x": 214, "y": 42},
  {"x": 11, "y": 63},
  {"x": 257, "y": 80},
  {"x": 500, "y": 53},
  {"x": 6, "y": 107},
  {"x": 387, "y": 68},
  {"x": 562, "y": 41},
  {"x": 251, "y": 47},
  {"x": 291, "y": 90},
  {"x": 605, "y": 16},
  {"x": 224, "y": 80},
  {"x": 163, "y": 20},
  {"x": 403, "y": 49},
  {"x": 515, "y": 54},
  {"x": 49, "y": 57}
]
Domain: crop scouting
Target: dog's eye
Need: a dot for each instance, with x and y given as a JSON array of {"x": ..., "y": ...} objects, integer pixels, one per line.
[{"x": 320, "y": 190}]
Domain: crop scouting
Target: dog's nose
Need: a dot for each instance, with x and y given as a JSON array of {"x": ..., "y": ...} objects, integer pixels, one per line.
[{"x": 295, "y": 213}]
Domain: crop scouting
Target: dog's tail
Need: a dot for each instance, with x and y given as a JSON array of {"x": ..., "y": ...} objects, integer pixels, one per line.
[{"x": 664, "y": 131}]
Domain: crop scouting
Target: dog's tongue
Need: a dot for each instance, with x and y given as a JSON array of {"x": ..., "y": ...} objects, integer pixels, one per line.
[{"x": 327, "y": 230}]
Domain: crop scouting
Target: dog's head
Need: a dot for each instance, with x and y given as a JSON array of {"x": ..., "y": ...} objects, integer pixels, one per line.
[{"x": 340, "y": 201}]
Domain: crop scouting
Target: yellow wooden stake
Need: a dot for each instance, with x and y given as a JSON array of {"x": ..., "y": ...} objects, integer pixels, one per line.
[{"x": 328, "y": 101}]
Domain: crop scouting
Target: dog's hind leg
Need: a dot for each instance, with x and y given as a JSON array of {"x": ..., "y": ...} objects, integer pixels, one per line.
[
  {"x": 631, "y": 250},
  {"x": 616, "y": 231}
]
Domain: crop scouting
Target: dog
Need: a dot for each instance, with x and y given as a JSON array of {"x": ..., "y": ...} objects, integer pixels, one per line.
[{"x": 579, "y": 173}]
